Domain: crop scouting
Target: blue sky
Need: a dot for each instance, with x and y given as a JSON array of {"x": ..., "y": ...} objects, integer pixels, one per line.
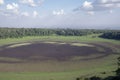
[{"x": 60, "y": 13}]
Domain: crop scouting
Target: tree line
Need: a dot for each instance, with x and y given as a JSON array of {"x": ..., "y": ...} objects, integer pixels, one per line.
[
  {"x": 111, "y": 35},
  {"x": 21, "y": 32}
]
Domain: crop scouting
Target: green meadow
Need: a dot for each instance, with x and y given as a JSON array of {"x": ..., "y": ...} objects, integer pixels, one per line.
[
  {"x": 55, "y": 70},
  {"x": 87, "y": 38}
]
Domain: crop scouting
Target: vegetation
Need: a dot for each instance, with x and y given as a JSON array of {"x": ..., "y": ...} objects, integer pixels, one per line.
[
  {"x": 22, "y": 32},
  {"x": 111, "y": 35},
  {"x": 75, "y": 69},
  {"x": 54, "y": 70},
  {"x": 116, "y": 77}
]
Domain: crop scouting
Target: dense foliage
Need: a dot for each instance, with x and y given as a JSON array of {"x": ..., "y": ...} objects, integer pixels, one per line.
[
  {"x": 111, "y": 35},
  {"x": 116, "y": 77},
  {"x": 21, "y": 32}
]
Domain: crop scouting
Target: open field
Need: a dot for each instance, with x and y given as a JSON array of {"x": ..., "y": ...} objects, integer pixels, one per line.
[
  {"x": 57, "y": 57},
  {"x": 88, "y": 38},
  {"x": 60, "y": 71}
]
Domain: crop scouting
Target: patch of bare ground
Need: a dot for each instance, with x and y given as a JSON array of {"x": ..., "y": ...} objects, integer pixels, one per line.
[{"x": 47, "y": 51}]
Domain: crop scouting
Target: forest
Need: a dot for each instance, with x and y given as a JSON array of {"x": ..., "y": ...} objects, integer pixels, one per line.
[
  {"x": 21, "y": 32},
  {"x": 111, "y": 35}
]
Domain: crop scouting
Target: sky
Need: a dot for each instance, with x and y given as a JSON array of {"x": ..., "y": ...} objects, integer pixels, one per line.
[{"x": 80, "y": 14}]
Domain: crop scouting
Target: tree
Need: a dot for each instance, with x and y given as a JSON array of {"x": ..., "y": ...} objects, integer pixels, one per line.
[{"x": 118, "y": 70}]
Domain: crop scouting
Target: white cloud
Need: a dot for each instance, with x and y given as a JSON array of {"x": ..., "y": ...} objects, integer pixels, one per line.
[
  {"x": 13, "y": 7},
  {"x": 106, "y": 4},
  {"x": 104, "y": 1},
  {"x": 25, "y": 14},
  {"x": 91, "y": 12},
  {"x": 1, "y": 2},
  {"x": 87, "y": 5},
  {"x": 32, "y": 3},
  {"x": 9, "y": 6},
  {"x": 107, "y": 1},
  {"x": 99, "y": 5},
  {"x": 59, "y": 12},
  {"x": 118, "y": 5},
  {"x": 111, "y": 11},
  {"x": 29, "y": 2},
  {"x": 35, "y": 14},
  {"x": 40, "y": 2},
  {"x": 10, "y": 13}
]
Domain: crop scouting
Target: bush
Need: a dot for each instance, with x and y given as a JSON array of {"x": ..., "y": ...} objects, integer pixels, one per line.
[{"x": 95, "y": 78}]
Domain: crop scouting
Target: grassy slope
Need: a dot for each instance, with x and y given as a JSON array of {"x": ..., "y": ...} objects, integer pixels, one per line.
[
  {"x": 107, "y": 64},
  {"x": 91, "y": 67},
  {"x": 88, "y": 38}
]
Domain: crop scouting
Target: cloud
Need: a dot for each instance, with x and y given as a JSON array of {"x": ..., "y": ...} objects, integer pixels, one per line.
[
  {"x": 99, "y": 5},
  {"x": 91, "y": 12},
  {"x": 13, "y": 8},
  {"x": 111, "y": 11},
  {"x": 29, "y": 2},
  {"x": 87, "y": 5},
  {"x": 10, "y": 13},
  {"x": 1, "y": 2},
  {"x": 25, "y": 14},
  {"x": 107, "y": 1},
  {"x": 35, "y": 14},
  {"x": 59, "y": 12},
  {"x": 40, "y": 2},
  {"x": 72, "y": 20},
  {"x": 32, "y": 3},
  {"x": 106, "y": 4}
]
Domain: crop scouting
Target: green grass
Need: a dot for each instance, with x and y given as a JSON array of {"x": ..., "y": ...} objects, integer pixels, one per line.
[
  {"x": 88, "y": 38},
  {"x": 67, "y": 71},
  {"x": 76, "y": 69},
  {"x": 41, "y": 76},
  {"x": 9, "y": 59}
]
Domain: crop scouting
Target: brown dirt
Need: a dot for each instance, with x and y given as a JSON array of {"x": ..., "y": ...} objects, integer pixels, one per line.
[{"x": 45, "y": 51}]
